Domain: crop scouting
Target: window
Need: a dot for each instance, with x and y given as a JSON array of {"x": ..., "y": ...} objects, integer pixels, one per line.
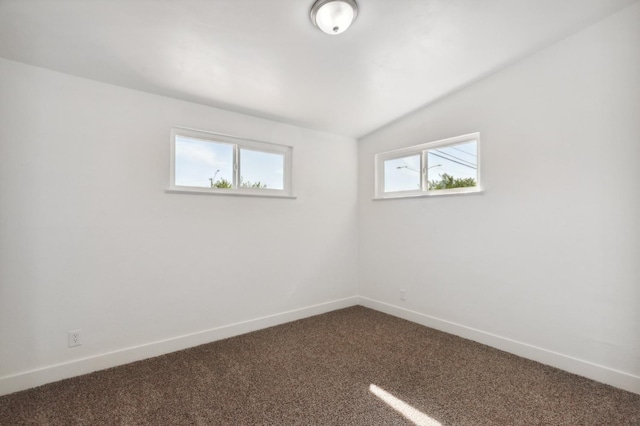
[
  {"x": 222, "y": 164},
  {"x": 449, "y": 166}
]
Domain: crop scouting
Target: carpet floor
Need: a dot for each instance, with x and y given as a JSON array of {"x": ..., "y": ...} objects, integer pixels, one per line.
[{"x": 353, "y": 366}]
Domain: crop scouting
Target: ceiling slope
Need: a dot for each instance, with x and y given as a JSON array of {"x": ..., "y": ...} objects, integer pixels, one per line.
[{"x": 265, "y": 58}]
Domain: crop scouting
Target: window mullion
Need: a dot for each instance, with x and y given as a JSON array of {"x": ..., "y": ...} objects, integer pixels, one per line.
[
  {"x": 236, "y": 166},
  {"x": 424, "y": 172}
]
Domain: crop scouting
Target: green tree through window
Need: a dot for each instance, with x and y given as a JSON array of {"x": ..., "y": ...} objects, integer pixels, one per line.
[{"x": 447, "y": 181}]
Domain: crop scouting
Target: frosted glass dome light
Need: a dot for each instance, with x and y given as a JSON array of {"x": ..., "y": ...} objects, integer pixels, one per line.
[{"x": 334, "y": 16}]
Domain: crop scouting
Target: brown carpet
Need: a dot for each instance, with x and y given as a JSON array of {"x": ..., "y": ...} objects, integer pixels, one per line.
[{"x": 319, "y": 371}]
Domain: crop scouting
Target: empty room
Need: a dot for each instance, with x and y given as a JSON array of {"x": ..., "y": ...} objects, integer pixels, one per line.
[{"x": 320, "y": 212}]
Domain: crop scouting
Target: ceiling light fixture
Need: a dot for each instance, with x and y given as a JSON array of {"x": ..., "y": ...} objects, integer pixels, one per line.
[{"x": 333, "y": 16}]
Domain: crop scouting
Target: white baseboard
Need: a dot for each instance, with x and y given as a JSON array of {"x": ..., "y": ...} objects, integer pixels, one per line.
[
  {"x": 53, "y": 373},
  {"x": 573, "y": 365}
]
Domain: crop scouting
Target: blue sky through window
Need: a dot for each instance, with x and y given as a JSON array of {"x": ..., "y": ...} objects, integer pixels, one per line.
[
  {"x": 402, "y": 174},
  {"x": 198, "y": 162},
  {"x": 264, "y": 167},
  {"x": 459, "y": 161}
]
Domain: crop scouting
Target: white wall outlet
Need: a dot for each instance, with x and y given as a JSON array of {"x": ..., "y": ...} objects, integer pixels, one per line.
[
  {"x": 74, "y": 338},
  {"x": 403, "y": 294}
]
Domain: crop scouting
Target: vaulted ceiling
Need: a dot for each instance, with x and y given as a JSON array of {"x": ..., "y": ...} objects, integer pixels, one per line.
[{"x": 265, "y": 58}]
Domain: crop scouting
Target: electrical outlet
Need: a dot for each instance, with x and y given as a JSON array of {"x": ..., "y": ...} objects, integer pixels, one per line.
[
  {"x": 403, "y": 294},
  {"x": 74, "y": 338}
]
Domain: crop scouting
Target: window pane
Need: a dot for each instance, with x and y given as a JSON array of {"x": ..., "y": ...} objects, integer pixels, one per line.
[
  {"x": 203, "y": 164},
  {"x": 259, "y": 169},
  {"x": 454, "y": 166},
  {"x": 402, "y": 174}
]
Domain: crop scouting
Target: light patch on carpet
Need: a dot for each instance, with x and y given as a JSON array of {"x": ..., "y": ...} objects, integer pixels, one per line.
[{"x": 407, "y": 411}]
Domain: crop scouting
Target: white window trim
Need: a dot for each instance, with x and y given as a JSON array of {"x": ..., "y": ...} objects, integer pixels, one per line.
[
  {"x": 421, "y": 150},
  {"x": 238, "y": 144}
]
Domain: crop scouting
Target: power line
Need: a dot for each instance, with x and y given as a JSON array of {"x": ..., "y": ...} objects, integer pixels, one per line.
[
  {"x": 462, "y": 150},
  {"x": 453, "y": 161},
  {"x": 453, "y": 156}
]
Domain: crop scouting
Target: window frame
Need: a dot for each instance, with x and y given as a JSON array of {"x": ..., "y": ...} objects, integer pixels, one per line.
[
  {"x": 237, "y": 143},
  {"x": 422, "y": 150}
]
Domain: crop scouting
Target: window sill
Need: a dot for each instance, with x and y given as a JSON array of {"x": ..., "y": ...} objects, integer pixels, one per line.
[
  {"x": 430, "y": 195},
  {"x": 226, "y": 194}
]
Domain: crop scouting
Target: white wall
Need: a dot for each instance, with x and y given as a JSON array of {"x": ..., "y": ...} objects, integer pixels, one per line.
[
  {"x": 545, "y": 263},
  {"x": 89, "y": 239}
]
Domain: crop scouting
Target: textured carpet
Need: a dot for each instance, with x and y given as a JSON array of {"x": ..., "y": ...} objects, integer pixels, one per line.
[{"x": 347, "y": 367}]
